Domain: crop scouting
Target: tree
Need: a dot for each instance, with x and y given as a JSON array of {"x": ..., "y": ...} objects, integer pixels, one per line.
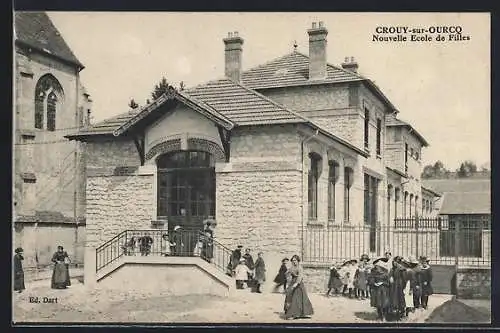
[
  {"x": 436, "y": 170},
  {"x": 160, "y": 88},
  {"x": 148, "y": 101},
  {"x": 181, "y": 86},
  {"x": 466, "y": 169},
  {"x": 132, "y": 104}
]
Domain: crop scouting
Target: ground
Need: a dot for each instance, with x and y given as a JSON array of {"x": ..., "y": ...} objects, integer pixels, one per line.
[
  {"x": 77, "y": 304},
  {"x": 462, "y": 311}
]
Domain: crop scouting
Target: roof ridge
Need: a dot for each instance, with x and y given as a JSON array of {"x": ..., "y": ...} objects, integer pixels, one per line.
[
  {"x": 206, "y": 83},
  {"x": 272, "y": 60},
  {"x": 59, "y": 34},
  {"x": 204, "y": 104}
]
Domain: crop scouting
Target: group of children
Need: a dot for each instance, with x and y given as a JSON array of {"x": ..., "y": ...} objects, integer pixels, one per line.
[
  {"x": 395, "y": 286},
  {"x": 350, "y": 278}
]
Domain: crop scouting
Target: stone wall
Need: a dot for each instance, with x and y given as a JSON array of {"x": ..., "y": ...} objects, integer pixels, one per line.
[
  {"x": 112, "y": 153},
  {"x": 258, "y": 194},
  {"x": 316, "y": 277},
  {"x": 474, "y": 283},
  {"x": 187, "y": 279},
  {"x": 260, "y": 143},
  {"x": 118, "y": 203},
  {"x": 40, "y": 242}
]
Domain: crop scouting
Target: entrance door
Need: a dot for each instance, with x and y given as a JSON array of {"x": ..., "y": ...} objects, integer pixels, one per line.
[{"x": 186, "y": 188}]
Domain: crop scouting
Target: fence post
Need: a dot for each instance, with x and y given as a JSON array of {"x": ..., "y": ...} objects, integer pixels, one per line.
[
  {"x": 416, "y": 234},
  {"x": 457, "y": 250}
]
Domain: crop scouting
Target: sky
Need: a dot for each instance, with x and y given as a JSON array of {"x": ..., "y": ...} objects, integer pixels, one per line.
[{"x": 441, "y": 88}]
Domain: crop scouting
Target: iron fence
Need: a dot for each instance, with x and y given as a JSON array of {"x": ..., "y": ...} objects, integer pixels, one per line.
[{"x": 443, "y": 240}]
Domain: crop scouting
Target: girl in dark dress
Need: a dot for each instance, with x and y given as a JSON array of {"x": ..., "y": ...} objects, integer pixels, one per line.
[
  {"x": 334, "y": 283},
  {"x": 297, "y": 303},
  {"x": 18, "y": 270},
  {"x": 379, "y": 287},
  {"x": 280, "y": 278},
  {"x": 251, "y": 265},
  {"x": 260, "y": 272},
  {"x": 60, "y": 275},
  {"x": 207, "y": 250},
  {"x": 397, "y": 301}
]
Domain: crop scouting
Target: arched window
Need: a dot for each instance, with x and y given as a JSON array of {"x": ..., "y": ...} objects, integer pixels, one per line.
[
  {"x": 48, "y": 96},
  {"x": 333, "y": 175},
  {"x": 312, "y": 193}
]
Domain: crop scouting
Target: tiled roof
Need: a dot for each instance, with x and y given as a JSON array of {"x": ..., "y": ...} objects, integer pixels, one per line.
[
  {"x": 36, "y": 30},
  {"x": 393, "y": 121},
  {"x": 106, "y": 127},
  {"x": 466, "y": 203},
  {"x": 289, "y": 70},
  {"x": 458, "y": 185},
  {"x": 293, "y": 70},
  {"x": 240, "y": 105}
]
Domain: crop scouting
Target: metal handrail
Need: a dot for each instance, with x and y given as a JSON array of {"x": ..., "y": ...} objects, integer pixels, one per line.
[{"x": 148, "y": 242}]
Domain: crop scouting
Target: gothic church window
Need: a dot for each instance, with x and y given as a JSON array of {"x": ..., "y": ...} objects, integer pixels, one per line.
[{"x": 48, "y": 98}]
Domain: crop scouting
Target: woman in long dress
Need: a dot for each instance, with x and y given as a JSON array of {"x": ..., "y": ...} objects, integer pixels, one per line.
[
  {"x": 18, "y": 270},
  {"x": 297, "y": 303},
  {"x": 60, "y": 275}
]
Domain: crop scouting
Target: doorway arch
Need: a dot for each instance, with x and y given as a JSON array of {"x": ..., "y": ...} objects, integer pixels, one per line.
[{"x": 186, "y": 188}]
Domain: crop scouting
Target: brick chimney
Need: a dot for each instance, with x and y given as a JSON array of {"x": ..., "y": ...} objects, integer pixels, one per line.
[
  {"x": 350, "y": 64},
  {"x": 317, "y": 51},
  {"x": 233, "y": 52}
]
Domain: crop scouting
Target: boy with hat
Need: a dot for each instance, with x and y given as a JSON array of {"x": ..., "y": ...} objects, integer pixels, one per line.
[{"x": 425, "y": 280}]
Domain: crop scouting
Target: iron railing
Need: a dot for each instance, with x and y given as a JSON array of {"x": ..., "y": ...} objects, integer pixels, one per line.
[
  {"x": 443, "y": 240},
  {"x": 156, "y": 242}
]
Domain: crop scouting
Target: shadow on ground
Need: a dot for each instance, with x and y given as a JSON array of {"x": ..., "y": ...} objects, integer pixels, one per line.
[
  {"x": 372, "y": 315},
  {"x": 454, "y": 311}
]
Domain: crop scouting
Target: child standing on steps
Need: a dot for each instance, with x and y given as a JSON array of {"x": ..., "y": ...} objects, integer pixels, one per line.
[{"x": 241, "y": 274}]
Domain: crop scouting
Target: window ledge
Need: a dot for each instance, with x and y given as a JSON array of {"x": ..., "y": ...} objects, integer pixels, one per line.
[
  {"x": 314, "y": 223},
  {"x": 27, "y": 133}
]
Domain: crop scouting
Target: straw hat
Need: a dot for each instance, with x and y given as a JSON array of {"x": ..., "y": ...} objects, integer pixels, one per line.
[
  {"x": 242, "y": 260},
  {"x": 177, "y": 227}
]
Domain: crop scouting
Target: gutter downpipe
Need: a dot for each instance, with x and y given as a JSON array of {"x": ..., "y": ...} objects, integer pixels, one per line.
[{"x": 302, "y": 143}]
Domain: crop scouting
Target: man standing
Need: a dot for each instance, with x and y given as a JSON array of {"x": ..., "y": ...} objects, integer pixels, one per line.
[{"x": 18, "y": 270}]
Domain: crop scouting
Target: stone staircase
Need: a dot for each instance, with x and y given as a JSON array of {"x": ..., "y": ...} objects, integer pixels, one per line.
[{"x": 179, "y": 275}]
